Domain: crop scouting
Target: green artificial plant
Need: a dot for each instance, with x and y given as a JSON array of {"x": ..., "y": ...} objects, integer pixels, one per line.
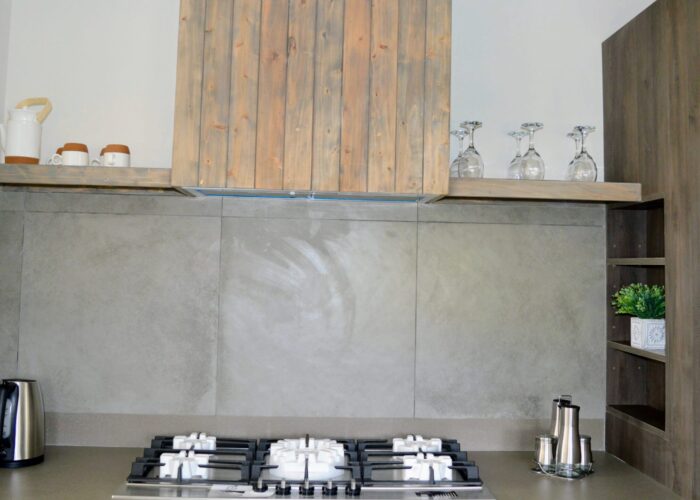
[{"x": 642, "y": 301}]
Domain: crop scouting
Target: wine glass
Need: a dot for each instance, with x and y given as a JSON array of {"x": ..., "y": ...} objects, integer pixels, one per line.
[
  {"x": 576, "y": 136},
  {"x": 515, "y": 168},
  {"x": 532, "y": 163},
  {"x": 584, "y": 168},
  {"x": 474, "y": 166},
  {"x": 459, "y": 163}
]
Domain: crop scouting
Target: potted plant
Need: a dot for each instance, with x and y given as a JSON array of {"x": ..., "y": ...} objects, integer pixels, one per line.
[{"x": 647, "y": 306}]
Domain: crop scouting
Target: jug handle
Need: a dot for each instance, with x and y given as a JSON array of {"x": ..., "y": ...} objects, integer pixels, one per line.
[{"x": 37, "y": 101}]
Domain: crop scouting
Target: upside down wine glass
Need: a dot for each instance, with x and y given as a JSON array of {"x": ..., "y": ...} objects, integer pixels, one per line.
[
  {"x": 515, "y": 168},
  {"x": 584, "y": 168},
  {"x": 532, "y": 163},
  {"x": 577, "y": 151},
  {"x": 459, "y": 163},
  {"x": 474, "y": 166}
]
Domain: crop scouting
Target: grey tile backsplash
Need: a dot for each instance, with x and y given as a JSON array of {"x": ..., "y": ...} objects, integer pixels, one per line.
[{"x": 231, "y": 308}]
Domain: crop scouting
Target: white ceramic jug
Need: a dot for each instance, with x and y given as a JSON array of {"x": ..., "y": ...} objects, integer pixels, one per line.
[{"x": 21, "y": 140}]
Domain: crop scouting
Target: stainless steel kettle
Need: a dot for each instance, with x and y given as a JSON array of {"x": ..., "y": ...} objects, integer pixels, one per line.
[{"x": 22, "y": 413}]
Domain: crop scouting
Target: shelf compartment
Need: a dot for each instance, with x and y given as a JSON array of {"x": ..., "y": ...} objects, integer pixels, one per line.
[
  {"x": 545, "y": 190},
  {"x": 635, "y": 232},
  {"x": 110, "y": 177},
  {"x": 638, "y": 262},
  {"x": 642, "y": 415},
  {"x": 624, "y": 346}
]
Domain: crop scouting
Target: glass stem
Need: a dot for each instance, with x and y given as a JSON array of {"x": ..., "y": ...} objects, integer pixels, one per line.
[
  {"x": 583, "y": 143},
  {"x": 471, "y": 137},
  {"x": 578, "y": 146},
  {"x": 532, "y": 139},
  {"x": 518, "y": 141}
]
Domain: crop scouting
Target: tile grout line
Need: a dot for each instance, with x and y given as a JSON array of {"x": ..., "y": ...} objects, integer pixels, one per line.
[
  {"x": 218, "y": 312},
  {"x": 21, "y": 281},
  {"x": 415, "y": 315}
]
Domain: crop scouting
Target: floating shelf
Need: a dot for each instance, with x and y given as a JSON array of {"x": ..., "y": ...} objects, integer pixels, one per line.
[
  {"x": 109, "y": 177},
  {"x": 641, "y": 415},
  {"x": 639, "y": 262},
  {"x": 656, "y": 355},
  {"x": 509, "y": 189},
  {"x": 648, "y": 202}
]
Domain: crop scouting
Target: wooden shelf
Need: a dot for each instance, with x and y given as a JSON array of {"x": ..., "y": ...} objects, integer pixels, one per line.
[
  {"x": 624, "y": 346},
  {"x": 642, "y": 416},
  {"x": 649, "y": 202},
  {"x": 638, "y": 262},
  {"x": 509, "y": 189},
  {"x": 110, "y": 177}
]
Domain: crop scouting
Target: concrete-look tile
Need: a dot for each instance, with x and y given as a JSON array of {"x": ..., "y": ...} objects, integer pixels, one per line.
[
  {"x": 131, "y": 204},
  {"x": 11, "y": 226},
  {"x": 11, "y": 201},
  {"x": 508, "y": 317},
  {"x": 119, "y": 313},
  {"x": 494, "y": 212},
  {"x": 320, "y": 209},
  {"x": 317, "y": 318}
]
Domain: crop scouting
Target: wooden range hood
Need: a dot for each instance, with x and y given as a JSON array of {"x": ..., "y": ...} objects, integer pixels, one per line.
[{"x": 313, "y": 95}]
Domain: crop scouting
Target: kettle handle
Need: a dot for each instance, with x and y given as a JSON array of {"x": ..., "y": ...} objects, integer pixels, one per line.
[
  {"x": 4, "y": 394},
  {"x": 37, "y": 101}
]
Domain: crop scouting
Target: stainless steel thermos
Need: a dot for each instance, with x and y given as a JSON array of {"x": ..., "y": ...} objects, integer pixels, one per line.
[{"x": 22, "y": 413}]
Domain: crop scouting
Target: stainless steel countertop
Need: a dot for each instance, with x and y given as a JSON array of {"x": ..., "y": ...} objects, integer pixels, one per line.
[{"x": 85, "y": 473}]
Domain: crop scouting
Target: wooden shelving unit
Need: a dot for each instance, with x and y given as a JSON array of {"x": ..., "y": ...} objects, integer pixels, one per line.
[
  {"x": 636, "y": 382},
  {"x": 508, "y": 189},
  {"x": 99, "y": 177}
]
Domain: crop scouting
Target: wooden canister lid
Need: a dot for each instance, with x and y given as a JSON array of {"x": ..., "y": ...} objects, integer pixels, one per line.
[
  {"x": 75, "y": 146},
  {"x": 116, "y": 148}
]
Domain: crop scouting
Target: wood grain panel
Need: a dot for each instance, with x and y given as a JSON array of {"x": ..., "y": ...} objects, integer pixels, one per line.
[
  {"x": 355, "y": 120},
  {"x": 59, "y": 175},
  {"x": 216, "y": 91},
  {"x": 298, "y": 132},
  {"x": 272, "y": 79},
  {"x": 651, "y": 96},
  {"x": 544, "y": 190},
  {"x": 327, "y": 95},
  {"x": 188, "y": 93},
  {"x": 409, "y": 97},
  {"x": 243, "y": 111},
  {"x": 381, "y": 168},
  {"x": 436, "y": 136}
]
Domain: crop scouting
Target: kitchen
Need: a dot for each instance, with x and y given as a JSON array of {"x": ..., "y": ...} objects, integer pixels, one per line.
[{"x": 245, "y": 294}]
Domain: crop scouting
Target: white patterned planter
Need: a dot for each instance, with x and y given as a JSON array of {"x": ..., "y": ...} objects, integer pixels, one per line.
[{"x": 648, "y": 333}]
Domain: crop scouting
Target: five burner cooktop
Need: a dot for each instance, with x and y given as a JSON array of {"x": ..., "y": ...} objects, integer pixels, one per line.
[{"x": 201, "y": 466}]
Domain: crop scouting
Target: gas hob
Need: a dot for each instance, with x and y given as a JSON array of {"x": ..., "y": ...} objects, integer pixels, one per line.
[{"x": 198, "y": 466}]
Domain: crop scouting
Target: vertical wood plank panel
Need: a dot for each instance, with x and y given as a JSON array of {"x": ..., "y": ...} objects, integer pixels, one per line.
[
  {"x": 327, "y": 96},
  {"x": 243, "y": 112},
  {"x": 409, "y": 96},
  {"x": 354, "y": 129},
  {"x": 437, "y": 97},
  {"x": 298, "y": 131},
  {"x": 382, "y": 115},
  {"x": 217, "y": 88},
  {"x": 269, "y": 151},
  {"x": 188, "y": 93}
]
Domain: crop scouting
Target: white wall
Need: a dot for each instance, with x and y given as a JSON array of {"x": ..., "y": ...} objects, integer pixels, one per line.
[
  {"x": 108, "y": 67},
  {"x": 532, "y": 60},
  {"x": 5, "y": 6}
]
